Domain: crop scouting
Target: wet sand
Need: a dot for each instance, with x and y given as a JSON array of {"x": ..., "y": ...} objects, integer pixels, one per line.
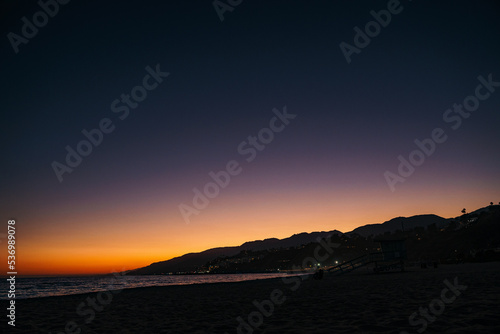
[{"x": 358, "y": 302}]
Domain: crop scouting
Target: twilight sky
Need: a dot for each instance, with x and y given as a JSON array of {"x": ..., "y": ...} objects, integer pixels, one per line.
[{"x": 324, "y": 169}]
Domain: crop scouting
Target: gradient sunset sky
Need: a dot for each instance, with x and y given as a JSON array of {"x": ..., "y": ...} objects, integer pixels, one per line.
[{"x": 119, "y": 209}]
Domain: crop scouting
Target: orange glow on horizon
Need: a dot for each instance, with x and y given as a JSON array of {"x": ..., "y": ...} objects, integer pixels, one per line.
[{"x": 95, "y": 243}]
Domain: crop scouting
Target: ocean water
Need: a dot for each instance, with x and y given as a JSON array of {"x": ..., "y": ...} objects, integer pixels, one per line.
[{"x": 32, "y": 287}]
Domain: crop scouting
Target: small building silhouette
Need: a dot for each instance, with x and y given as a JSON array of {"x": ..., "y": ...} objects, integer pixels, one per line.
[
  {"x": 392, "y": 248},
  {"x": 392, "y": 253}
]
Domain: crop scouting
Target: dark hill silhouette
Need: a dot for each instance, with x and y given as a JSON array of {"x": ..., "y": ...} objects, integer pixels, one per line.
[
  {"x": 186, "y": 262},
  {"x": 293, "y": 241},
  {"x": 468, "y": 238},
  {"x": 192, "y": 261},
  {"x": 461, "y": 240},
  {"x": 399, "y": 223}
]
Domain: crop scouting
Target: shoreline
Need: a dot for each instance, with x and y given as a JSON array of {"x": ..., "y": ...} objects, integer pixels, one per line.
[
  {"x": 363, "y": 271},
  {"x": 120, "y": 282},
  {"x": 351, "y": 303}
]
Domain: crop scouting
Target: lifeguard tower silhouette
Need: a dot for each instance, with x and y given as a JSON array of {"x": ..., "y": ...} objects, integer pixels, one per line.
[{"x": 391, "y": 256}]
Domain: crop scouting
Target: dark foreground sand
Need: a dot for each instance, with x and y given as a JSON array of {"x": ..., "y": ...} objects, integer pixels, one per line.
[{"x": 359, "y": 302}]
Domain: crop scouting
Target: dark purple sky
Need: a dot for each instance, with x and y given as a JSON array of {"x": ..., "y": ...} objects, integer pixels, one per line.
[{"x": 325, "y": 170}]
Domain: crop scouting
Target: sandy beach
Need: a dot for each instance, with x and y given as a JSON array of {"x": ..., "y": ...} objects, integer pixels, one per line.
[{"x": 462, "y": 298}]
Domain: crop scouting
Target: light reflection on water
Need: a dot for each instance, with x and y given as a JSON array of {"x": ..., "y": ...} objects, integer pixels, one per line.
[{"x": 31, "y": 287}]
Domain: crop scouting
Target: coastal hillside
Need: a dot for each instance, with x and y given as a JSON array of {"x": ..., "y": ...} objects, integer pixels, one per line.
[
  {"x": 471, "y": 237},
  {"x": 193, "y": 261},
  {"x": 400, "y": 223},
  {"x": 273, "y": 254}
]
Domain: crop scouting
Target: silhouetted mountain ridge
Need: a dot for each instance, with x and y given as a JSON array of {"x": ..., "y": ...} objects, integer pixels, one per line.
[
  {"x": 400, "y": 223},
  {"x": 192, "y": 261}
]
